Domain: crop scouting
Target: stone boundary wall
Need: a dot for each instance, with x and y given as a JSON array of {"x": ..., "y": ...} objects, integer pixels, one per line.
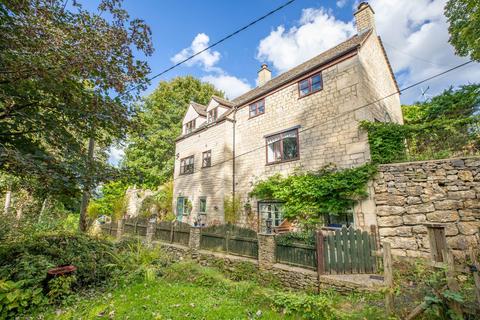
[{"x": 410, "y": 195}]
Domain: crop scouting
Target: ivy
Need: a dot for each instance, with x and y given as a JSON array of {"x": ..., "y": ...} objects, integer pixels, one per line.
[
  {"x": 308, "y": 196},
  {"x": 440, "y": 138}
]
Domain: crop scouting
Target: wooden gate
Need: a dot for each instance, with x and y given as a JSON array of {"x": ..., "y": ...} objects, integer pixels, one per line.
[{"x": 346, "y": 251}]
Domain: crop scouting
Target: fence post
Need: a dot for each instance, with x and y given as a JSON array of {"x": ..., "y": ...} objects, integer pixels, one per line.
[
  {"x": 151, "y": 228},
  {"x": 438, "y": 240},
  {"x": 452, "y": 281},
  {"x": 120, "y": 226},
  {"x": 476, "y": 266},
  {"x": 320, "y": 248},
  {"x": 388, "y": 277},
  {"x": 266, "y": 251},
  {"x": 227, "y": 240},
  {"x": 172, "y": 230}
]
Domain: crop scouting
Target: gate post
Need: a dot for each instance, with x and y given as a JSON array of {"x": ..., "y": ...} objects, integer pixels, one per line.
[
  {"x": 266, "y": 251},
  {"x": 194, "y": 239},
  {"x": 120, "y": 226},
  {"x": 151, "y": 226}
]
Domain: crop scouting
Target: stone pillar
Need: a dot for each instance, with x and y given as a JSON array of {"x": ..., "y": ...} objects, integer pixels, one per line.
[
  {"x": 120, "y": 225},
  {"x": 194, "y": 241},
  {"x": 151, "y": 226},
  {"x": 266, "y": 251}
]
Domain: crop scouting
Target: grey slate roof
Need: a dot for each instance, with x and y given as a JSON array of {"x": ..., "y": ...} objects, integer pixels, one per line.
[
  {"x": 199, "y": 108},
  {"x": 223, "y": 102},
  {"x": 325, "y": 57}
]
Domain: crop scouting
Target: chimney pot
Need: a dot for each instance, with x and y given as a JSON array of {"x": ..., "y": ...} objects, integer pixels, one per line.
[
  {"x": 264, "y": 75},
  {"x": 364, "y": 18}
]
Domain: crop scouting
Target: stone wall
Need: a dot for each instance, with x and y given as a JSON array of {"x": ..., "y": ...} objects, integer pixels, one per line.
[{"x": 409, "y": 195}]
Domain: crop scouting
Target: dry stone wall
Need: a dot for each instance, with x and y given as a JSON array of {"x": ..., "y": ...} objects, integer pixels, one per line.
[{"x": 410, "y": 195}]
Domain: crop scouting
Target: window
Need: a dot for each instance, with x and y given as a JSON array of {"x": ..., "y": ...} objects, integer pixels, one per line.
[
  {"x": 202, "y": 208},
  {"x": 184, "y": 207},
  {"x": 270, "y": 210},
  {"x": 186, "y": 165},
  {"x": 310, "y": 85},
  {"x": 282, "y": 147},
  {"x": 207, "y": 159},
  {"x": 212, "y": 115},
  {"x": 257, "y": 108},
  {"x": 189, "y": 126},
  {"x": 339, "y": 220}
]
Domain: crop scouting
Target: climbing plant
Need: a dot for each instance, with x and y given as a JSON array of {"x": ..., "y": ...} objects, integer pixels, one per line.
[{"x": 308, "y": 196}]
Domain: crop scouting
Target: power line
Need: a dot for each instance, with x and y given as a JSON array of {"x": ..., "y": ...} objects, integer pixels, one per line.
[
  {"x": 216, "y": 43},
  {"x": 411, "y": 55},
  {"x": 350, "y": 111}
]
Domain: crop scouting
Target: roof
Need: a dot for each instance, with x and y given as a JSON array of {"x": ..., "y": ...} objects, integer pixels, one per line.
[
  {"x": 223, "y": 102},
  {"x": 199, "y": 108},
  {"x": 323, "y": 58}
]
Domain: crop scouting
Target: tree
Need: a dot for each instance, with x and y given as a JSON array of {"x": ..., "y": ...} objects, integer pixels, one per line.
[
  {"x": 67, "y": 75},
  {"x": 464, "y": 19},
  {"x": 151, "y": 146}
]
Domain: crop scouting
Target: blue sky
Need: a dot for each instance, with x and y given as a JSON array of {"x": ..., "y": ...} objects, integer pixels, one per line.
[{"x": 414, "y": 33}]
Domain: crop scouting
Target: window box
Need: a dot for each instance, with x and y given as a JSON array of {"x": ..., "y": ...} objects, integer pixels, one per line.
[
  {"x": 187, "y": 165},
  {"x": 310, "y": 85},
  {"x": 282, "y": 147},
  {"x": 256, "y": 108}
]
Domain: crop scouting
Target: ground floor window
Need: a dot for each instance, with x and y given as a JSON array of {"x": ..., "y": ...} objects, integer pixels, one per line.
[
  {"x": 340, "y": 220},
  {"x": 270, "y": 210},
  {"x": 184, "y": 207}
]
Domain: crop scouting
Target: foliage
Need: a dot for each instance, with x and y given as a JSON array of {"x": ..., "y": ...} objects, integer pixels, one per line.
[
  {"x": 307, "y": 306},
  {"x": 61, "y": 67},
  {"x": 464, "y": 27},
  {"x": 302, "y": 237},
  {"x": 150, "y": 152},
  {"x": 15, "y": 298},
  {"x": 232, "y": 209},
  {"x": 60, "y": 287},
  {"x": 308, "y": 196},
  {"x": 448, "y": 125},
  {"x": 110, "y": 202}
]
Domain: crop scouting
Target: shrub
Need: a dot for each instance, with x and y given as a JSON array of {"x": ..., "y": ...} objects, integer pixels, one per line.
[
  {"x": 15, "y": 298},
  {"x": 307, "y": 306}
]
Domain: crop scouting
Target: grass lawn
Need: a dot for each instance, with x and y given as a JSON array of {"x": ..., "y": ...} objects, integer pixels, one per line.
[{"x": 160, "y": 299}]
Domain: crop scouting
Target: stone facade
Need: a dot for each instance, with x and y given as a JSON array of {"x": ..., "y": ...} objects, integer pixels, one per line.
[
  {"x": 355, "y": 84},
  {"x": 410, "y": 195}
]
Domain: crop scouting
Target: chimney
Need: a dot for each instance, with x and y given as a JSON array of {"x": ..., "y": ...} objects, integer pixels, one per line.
[
  {"x": 264, "y": 75},
  {"x": 364, "y": 18}
]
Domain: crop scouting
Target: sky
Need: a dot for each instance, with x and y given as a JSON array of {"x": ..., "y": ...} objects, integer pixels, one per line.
[{"x": 414, "y": 32}]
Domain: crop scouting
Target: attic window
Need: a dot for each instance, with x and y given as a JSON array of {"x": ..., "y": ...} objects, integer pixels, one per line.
[
  {"x": 212, "y": 115},
  {"x": 257, "y": 108},
  {"x": 310, "y": 85},
  {"x": 189, "y": 126}
]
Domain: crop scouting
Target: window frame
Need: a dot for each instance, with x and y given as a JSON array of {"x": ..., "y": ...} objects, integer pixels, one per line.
[
  {"x": 209, "y": 118},
  {"x": 261, "y": 220},
  {"x": 200, "y": 199},
  {"x": 183, "y": 166},
  {"x": 209, "y": 152},
  {"x": 250, "y": 116},
  {"x": 309, "y": 78},
  {"x": 281, "y": 147},
  {"x": 190, "y": 125}
]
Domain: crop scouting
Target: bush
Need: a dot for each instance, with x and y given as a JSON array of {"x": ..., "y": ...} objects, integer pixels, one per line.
[
  {"x": 307, "y": 306},
  {"x": 15, "y": 298}
]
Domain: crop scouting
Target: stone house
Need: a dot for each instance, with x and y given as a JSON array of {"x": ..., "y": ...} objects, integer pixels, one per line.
[{"x": 305, "y": 118}]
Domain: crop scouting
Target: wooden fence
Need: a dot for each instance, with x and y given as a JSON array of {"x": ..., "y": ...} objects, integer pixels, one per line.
[
  {"x": 230, "y": 239},
  {"x": 341, "y": 251},
  {"x": 136, "y": 226},
  {"x": 109, "y": 228}
]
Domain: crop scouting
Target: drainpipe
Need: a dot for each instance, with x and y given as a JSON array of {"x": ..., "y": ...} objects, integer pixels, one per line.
[{"x": 233, "y": 156}]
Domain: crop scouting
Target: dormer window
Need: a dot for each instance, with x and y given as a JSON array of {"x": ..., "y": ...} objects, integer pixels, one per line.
[
  {"x": 212, "y": 115},
  {"x": 189, "y": 126},
  {"x": 257, "y": 108},
  {"x": 310, "y": 85}
]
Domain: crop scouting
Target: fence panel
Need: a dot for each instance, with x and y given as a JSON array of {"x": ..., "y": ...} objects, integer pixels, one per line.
[
  {"x": 109, "y": 228},
  {"x": 230, "y": 239},
  {"x": 297, "y": 254},
  {"x": 164, "y": 231},
  {"x": 181, "y": 233}
]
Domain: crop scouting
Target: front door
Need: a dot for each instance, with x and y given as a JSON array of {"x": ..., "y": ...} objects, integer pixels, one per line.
[{"x": 180, "y": 208}]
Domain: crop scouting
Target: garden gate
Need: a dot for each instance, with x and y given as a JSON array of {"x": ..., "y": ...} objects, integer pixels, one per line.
[{"x": 346, "y": 251}]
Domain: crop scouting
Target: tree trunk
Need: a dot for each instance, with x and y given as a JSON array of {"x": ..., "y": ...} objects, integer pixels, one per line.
[
  {"x": 82, "y": 224},
  {"x": 42, "y": 211},
  {"x": 8, "y": 200},
  {"x": 19, "y": 213}
]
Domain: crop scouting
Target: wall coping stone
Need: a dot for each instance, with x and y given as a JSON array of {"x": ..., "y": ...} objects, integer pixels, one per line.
[{"x": 396, "y": 164}]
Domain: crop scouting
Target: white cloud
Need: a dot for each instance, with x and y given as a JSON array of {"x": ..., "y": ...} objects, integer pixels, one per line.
[
  {"x": 416, "y": 39},
  {"x": 232, "y": 86},
  {"x": 415, "y": 34},
  {"x": 317, "y": 31},
  {"x": 341, "y": 3},
  {"x": 206, "y": 59}
]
